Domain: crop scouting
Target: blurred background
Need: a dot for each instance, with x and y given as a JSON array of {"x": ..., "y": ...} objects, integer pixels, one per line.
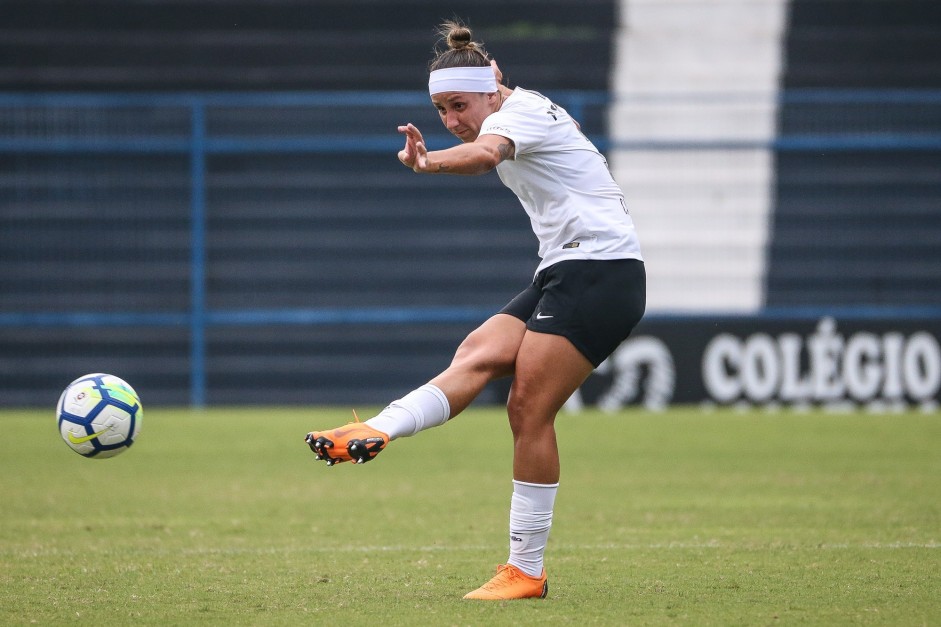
[{"x": 203, "y": 197}]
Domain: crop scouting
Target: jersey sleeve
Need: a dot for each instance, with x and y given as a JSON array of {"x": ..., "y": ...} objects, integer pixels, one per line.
[{"x": 526, "y": 129}]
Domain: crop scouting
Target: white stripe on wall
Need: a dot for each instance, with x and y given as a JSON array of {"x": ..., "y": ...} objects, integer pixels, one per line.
[{"x": 698, "y": 71}]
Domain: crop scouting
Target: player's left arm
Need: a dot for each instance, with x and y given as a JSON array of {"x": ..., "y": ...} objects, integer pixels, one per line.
[{"x": 478, "y": 157}]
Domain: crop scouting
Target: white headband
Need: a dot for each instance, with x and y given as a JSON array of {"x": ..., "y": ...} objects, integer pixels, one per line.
[{"x": 472, "y": 79}]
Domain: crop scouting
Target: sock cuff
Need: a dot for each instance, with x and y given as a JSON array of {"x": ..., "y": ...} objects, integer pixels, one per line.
[
  {"x": 526, "y": 484},
  {"x": 533, "y": 498},
  {"x": 435, "y": 391},
  {"x": 420, "y": 409}
]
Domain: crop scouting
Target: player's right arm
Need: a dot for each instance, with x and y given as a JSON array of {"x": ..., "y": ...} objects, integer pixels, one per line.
[{"x": 477, "y": 157}]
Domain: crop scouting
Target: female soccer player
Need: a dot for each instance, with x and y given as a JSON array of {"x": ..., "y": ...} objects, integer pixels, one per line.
[{"x": 587, "y": 295}]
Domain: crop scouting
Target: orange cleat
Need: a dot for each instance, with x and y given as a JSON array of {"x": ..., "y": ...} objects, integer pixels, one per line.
[
  {"x": 355, "y": 442},
  {"x": 511, "y": 583}
]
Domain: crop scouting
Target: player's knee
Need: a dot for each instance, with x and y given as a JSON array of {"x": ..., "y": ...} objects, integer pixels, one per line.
[{"x": 528, "y": 416}]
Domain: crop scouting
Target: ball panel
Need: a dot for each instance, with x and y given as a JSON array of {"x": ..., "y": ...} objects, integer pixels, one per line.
[
  {"x": 75, "y": 436},
  {"x": 112, "y": 424},
  {"x": 81, "y": 399},
  {"x": 119, "y": 390}
]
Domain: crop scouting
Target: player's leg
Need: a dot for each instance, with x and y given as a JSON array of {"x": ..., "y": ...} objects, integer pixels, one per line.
[
  {"x": 548, "y": 370},
  {"x": 585, "y": 310},
  {"x": 487, "y": 353}
]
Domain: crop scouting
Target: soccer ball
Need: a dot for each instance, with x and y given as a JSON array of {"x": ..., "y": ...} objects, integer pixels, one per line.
[{"x": 99, "y": 415}]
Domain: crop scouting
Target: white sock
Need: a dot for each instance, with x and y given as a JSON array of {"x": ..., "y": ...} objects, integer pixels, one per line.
[
  {"x": 530, "y": 520},
  {"x": 420, "y": 409}
]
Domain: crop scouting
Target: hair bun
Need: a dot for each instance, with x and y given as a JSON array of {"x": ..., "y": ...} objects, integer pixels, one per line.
[
  {"x": 462, "y": 50},
  {"x": 459, "y": 37}
]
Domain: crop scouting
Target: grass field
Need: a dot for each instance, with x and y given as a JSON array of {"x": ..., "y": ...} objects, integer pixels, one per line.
[{"x": 727, "y": 518}]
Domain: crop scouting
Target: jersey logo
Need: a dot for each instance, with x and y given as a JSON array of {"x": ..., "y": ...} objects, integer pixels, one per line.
[{"x": 570, "y": 245}]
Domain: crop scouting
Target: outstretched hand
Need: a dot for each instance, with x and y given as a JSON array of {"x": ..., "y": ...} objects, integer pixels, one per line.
[{"x": 415, "y": 154}]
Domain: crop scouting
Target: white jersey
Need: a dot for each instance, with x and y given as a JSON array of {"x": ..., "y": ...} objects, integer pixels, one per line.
[{"x": 576, "y": 209}]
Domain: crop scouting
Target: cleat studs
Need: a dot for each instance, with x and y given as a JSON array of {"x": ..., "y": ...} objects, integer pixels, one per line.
[{"x": 356, "y": 450}]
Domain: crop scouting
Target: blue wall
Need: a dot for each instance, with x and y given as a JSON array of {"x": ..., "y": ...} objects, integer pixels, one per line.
[{"x": 217, "y": 246}]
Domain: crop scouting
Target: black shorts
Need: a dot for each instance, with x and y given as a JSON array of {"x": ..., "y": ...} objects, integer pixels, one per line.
[{"x": 594, "y": 304}]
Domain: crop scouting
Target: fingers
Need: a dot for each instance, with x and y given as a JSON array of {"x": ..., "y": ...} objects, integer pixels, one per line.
[
  {"x": 407, "y": 154},
  {"x": 496, "y": 71},
  {"x": 415, "y": 149},
  {"x": 410, "y": 130},
  {"x": 421, "y": 157}
]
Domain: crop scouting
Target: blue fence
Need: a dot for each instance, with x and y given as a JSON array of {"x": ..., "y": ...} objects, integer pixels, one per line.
[
  {"x": 198, "y": 144},
  {"x": 200, "y": 141}
]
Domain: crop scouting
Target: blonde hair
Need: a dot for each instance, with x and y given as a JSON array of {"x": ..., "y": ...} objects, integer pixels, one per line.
[{"x": 462, "y": 50}]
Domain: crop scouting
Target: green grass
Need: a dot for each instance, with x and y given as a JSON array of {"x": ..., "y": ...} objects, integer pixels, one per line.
[{"x": 727, "y": 518}]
